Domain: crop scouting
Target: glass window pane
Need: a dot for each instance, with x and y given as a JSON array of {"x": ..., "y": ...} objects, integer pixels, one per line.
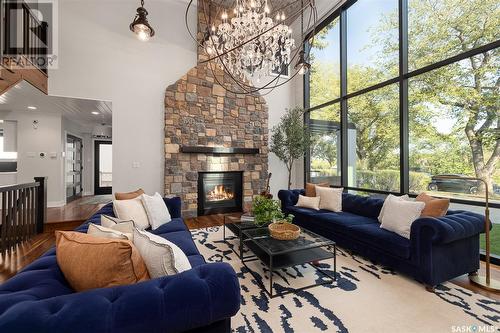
[
  {"x": 373, "y": 140},
  {"x": 454, "y": 130},
  {"x": 325, "y": 65},
  {"x": 441, "y": 29},
  {"x": 324, "y": 126},
  {"x": 454, "y": 126},
  {"x": 372, "y": 43}
]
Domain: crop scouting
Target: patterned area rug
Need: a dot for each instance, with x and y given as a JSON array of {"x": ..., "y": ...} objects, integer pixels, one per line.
[{"x": 365, "y": 298}]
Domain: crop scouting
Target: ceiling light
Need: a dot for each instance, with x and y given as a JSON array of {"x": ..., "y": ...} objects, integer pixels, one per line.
[
  {"x": 140, "y": 26},
  {"x": 32, "y": 107},
  {"x": 95, "y": 112}
]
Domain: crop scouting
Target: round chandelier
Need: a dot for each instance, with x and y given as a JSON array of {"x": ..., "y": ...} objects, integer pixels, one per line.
[{"x": 251, "y": 41}]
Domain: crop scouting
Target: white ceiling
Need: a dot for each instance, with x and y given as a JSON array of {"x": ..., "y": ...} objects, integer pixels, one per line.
[{"x": 78, "y": 110}]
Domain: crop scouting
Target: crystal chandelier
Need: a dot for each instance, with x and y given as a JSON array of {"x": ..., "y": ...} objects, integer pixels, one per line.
[
  {"x": 252, "y": 43},
  {"x": 263, "y": 48}
]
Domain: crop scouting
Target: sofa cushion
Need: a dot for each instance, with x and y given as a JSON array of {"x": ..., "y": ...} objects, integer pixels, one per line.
[
  {"x": 341, "y": 221},
  {"x": 177, "y": 224},
  {"x": 161, "y": 256},
  {"x": 308, "y": 202},
  {"x": 365, "y": 206},
  {"x": 381, "y": 239},
  {"x": 90, "y": 262},
  {"x": 182, "y": 239},
  {"x": 132, "y": 209},
  {"x": 434, "y": 207},
  {"x": 311, "y": 188},
  {"x": 128, "y": 195}
]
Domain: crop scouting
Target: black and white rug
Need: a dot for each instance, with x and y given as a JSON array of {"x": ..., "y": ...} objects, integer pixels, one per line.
[{"x": 365, "y": 298}]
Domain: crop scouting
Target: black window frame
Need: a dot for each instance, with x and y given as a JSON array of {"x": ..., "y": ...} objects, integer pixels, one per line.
[{"x": 402, "y": 79}]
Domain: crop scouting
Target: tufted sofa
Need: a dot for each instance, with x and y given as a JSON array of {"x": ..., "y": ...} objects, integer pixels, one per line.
[
  {"x": 439, "y": 249},
  {"x": 202, "y": 299}
]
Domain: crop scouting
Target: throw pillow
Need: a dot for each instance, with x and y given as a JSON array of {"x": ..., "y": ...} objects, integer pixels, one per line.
[
  {"x": 125, "y": 226},
  {"x": 156, "y": 209},
  {"x": 132, "y": 209},
  {"x": 90, "y": 262},
  {"x": 399, "y": 216},
  {"x": 391, "y": 197},
  {"x": 308, "y": 202},
  {"x": 161, "y": 256},
  {"x": 128, "y": 195},
  {"x": 435, "y": 207},
  {"x": 311, "y": 188},
  {"x": 100, "y": 231},
  {"x": 330, "y": 198}
]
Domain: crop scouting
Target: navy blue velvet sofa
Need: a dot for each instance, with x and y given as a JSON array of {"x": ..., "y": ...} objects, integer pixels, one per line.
[
  {"x": 202, "y": 299},
  {"x": 439, "y": 249}
]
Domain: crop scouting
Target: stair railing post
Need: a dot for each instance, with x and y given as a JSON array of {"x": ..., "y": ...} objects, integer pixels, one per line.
[{"x": 41, "y": 204}]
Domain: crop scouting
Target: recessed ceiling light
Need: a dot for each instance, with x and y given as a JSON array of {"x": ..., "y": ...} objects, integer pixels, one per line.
[
  {"x": 32, "y": 107},
  {"x": 95, "y": 112}
]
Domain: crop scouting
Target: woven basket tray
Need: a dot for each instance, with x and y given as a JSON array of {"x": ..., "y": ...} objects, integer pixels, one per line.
[{"x": 284, "y": 231}]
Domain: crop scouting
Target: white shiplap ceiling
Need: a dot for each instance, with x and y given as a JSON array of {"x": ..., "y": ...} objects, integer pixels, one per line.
[{"x": 78, "y": 110}]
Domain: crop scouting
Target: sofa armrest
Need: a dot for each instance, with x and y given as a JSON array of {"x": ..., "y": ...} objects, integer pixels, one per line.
[
  {"x": 449, "y": 228},
  {"x": 195, "y": 298},
  {"x": 289, "y": 197},
  {"x": 174, "y": 206}
]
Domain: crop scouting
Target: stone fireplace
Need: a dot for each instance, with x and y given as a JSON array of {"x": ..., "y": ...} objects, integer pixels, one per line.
[{"x": 209, "y": 129}]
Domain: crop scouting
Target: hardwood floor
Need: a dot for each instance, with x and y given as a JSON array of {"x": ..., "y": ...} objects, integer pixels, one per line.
[
  {"x": 70, "y": 216},
  {"x": 31, "y": 250}
]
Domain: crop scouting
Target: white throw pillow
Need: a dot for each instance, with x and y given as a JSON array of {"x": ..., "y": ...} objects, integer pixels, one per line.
[
  {"x": 132, "y": 209},
  {"x": 391, "y": 197},
  {"x": 330, "y": 198},
  {"x": 125, "y": 226},
  {"x": 308, "y": 202},
  {"x": 156, "y": 209},
  {"x": 100, "y": 231},
  {"x": 399, "y": 216},
  {"x": 161, "y": 256}
]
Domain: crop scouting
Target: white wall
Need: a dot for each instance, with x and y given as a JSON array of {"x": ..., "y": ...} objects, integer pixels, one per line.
[
  {"x": 31, "y": 142},
  {"x": 99, "y": 58}
]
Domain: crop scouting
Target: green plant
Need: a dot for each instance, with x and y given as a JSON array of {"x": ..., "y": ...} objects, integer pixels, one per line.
[
  {"x": 289, "y": 139},
  {"x": 266, "y": 210}
]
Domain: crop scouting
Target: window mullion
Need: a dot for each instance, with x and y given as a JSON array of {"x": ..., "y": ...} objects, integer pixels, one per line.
[
  {"x": 343, "y": 102},
  {"x": 403, "y": 98}
]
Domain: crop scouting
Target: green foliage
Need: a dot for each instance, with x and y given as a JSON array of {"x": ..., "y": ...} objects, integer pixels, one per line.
[
  {"x": 388, "y": 180},
  {"x": 289, "y": 138},
  {"x": 266, "y": 210}
]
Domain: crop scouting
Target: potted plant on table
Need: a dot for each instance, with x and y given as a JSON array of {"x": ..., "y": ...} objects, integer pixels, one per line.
[{"x": 268, "y": 211}]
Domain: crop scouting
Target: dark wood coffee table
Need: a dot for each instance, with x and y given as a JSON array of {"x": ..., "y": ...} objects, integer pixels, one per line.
[
  {"x": 278, "y": 254},
  {"x": 237, "y": 226}
]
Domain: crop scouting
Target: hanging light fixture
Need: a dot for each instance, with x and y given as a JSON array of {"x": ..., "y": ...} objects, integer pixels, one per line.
[
  {"x": 302, "y": 65},
  {"x": 140, "y": 26},
  {"x": 249, "y": 42}
]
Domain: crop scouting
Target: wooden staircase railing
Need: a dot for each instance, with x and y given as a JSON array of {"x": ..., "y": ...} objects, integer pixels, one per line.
[{"x": 23, "y": 213}]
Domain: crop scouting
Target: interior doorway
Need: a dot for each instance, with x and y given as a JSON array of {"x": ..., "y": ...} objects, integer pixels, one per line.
[
  {"x": 74, "y": 167},
  {"x": 103, "y": 174}
]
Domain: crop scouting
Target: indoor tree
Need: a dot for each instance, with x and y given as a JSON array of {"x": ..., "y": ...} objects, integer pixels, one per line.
[{"x": 289, "y": 139}]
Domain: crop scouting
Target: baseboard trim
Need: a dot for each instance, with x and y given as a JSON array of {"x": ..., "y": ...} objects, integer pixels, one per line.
[{"x": 52, "y": 204}]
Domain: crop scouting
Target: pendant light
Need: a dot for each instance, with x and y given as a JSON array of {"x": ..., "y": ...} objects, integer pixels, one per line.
[
  {"x": 140, "y": 26},
  {"x": 302, "y": 65}
]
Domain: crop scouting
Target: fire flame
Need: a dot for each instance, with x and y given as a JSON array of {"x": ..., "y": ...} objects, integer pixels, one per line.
[{"x": 220, "y": 193}]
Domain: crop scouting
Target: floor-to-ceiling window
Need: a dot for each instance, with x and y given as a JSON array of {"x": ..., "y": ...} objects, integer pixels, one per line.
[{"x": 403, "y": 91}]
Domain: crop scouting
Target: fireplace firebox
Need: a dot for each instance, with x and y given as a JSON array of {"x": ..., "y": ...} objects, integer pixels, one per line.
[{"x": 220, "y": 192}]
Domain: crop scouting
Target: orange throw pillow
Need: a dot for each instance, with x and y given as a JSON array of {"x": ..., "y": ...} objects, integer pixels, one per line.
[
  {"x": 90, "y": 262},
  {"x": 434, "y": 207},
  {"x": 311, "y": 188},
  {"x": 128, "y": 195}
]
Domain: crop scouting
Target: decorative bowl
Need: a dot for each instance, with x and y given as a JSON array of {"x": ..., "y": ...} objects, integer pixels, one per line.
[{"x": 284, "y": 231}]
